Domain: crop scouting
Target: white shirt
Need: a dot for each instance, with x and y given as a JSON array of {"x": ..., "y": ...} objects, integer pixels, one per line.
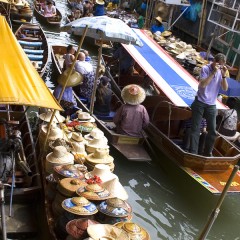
[{"x": 83, "y": 67}]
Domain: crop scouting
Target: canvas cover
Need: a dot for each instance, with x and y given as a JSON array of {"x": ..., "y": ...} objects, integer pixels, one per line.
[
  {"x": 20, "y": 83},
  {"x": 177, "y": 84}
]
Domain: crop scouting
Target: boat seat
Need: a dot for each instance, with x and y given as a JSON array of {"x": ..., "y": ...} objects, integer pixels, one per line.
[
  {"x": 33, "y": 51},
  {"x": 34, "y": 57},
  {"x": 31, "y": 44},
  {"x": 233, "y": 138}
]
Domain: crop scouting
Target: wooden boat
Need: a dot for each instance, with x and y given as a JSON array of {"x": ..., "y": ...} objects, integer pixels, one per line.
[
  {"x": 52, "y": 21},
  {"x": 34, "y": 43},
  {"x": 20, "y": 18},
  {"x": 163, "y": 132},
  {"x": 130, "y": 147},
  {"x": 19, "y": 168}
]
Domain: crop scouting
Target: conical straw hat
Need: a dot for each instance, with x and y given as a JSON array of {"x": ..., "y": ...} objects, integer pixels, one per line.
[
  {"x": 47, "y": 117},
  {"x": 116, "y": 189},
  {"x": 133, "y": 94},
  {"x": 75, "y": 79}
]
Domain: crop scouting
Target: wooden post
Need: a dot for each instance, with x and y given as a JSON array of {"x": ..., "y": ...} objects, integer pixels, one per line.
[
  {"x": 216, "y": 211},
  {"x": 63, "y": 88},
  {"x": 202, "y": 22},
  {"x": 96, "y": 78}
]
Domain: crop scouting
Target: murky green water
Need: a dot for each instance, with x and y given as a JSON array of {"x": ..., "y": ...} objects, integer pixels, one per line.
[{"x": 164, "y": 200}]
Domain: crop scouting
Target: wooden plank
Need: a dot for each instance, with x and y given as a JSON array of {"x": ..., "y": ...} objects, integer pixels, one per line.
[{"x": 133, "y": 152}]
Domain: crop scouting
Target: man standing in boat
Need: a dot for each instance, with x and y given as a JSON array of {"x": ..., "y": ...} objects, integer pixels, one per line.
[{"x": 212, "y": 77}]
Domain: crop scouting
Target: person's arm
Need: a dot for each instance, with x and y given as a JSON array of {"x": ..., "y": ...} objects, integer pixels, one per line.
[
  {"x": 224, "y": 80},
  {"x": 54, "y": 11},
  {"x": 205, "y": 79}
]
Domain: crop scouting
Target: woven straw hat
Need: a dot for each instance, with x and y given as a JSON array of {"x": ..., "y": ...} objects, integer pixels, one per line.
[
  {"x": 68, "y": 186},
  {"x": 77, "y": 138},
  {"x": 115, "y": 207},
  {"x": 47, "y": 116},
  {"x": 75, "y": 79},
  {"x": 55, "y": 132},
  {"x": 70, "y": 171},
  {"x": 96, "y": 143},
  {"x": 107, "y": 232},
  {"x": 133, "y": 94},
  {"x": 79, "y": 206},
  {"x": 60, "y": 155},
  {"x": 93, "y": 192},
  {"x": 116, "y": 189},
  {"x": 85, "y": 117},
  {"x": 100, "y": 2},
  {"x": 102, "y": 171},
  {"x": 159, "y": 19},
  {"x": 78, "y": 148},
  {"x": 95, "y": 133},
  {"x": 100, "y": 156},
  {"x": 77, "y": 228},
  {"x": 134, "y": 230}
]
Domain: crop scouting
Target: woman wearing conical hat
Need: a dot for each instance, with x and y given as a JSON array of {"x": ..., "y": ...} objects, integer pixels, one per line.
[{"x": 132, "y": 117}]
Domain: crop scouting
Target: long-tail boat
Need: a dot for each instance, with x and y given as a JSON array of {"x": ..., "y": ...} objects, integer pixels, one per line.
[
  {"x": 130, "y": 147},
  {"x": 52, "y": 21},
  {"x": 170, "y": 109},
  {"x": 34, "y": 43}
]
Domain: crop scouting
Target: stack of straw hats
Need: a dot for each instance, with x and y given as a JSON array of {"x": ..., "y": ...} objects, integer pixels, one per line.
[
  {"x": 100, "y": 156},
  {"x": 98, "y": 142}
]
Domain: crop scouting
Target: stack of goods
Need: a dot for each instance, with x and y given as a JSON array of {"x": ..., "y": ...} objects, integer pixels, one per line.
[
  {"x": 75, "y": 208},
  {"x": 100, "y": 156},
  {"x": 65, "y": 188},
  {"x": 59, "y": 156},
  {"x": 114, "y": 210}
]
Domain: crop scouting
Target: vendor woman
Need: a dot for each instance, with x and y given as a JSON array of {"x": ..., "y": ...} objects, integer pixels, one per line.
[{"x": 158, "y": 26}]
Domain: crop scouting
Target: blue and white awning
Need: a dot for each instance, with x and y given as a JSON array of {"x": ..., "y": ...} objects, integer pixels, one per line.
[{"x": 177, "y": 84}]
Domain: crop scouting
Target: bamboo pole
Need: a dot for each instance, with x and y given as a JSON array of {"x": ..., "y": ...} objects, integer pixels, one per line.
[
  {"x": 63, "y": 88},
  {"x": 96, "y": 78},
  {"x": 216, "y": 211},
  {"x": 202, "y": 22}
]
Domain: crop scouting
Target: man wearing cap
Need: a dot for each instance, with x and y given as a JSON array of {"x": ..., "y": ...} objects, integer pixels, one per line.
[
  {"x": 212, "y": 77},
  {"x": 158, "y": 25}
]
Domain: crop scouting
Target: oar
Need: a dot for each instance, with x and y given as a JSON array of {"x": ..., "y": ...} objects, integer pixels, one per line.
[{"x": 216, "y": 211}]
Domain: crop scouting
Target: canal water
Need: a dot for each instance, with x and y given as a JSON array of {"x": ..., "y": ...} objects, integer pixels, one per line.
[{"x": 166, "y": 202}]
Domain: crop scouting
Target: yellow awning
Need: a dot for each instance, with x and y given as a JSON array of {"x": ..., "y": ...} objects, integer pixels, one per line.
[
  {"x": 20, "y": 83},
  {"x": 4, "y": 1}
]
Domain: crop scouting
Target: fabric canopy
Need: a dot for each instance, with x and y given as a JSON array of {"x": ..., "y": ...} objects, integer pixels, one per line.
[
  {"x": 20, "y": 82},
  {"x": 177, "y": 84}
]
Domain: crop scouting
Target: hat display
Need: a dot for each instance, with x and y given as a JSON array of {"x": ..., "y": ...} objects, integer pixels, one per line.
[
  {"x": 100, "y": 155},
  {"x": 70, "y": 171},
  {"x": 85, "y": 117},
  {"x": 79, "y": 206},
  {"x": 77, "y": 228},
  {"x": 77, "y": 138},
  {"x": 55, "y": 132},
  {"x": 96, "y": 143},
  {"x": 100, "y": 2},
  {"x": 75, "y": 79},
  {"x": 115, "y": 188},
  {"x": 133, "y": 94},
  {"x": 79, "y": 149},
  {"x": 47, "y": 117},
  {"x": 107, "y": 232},
  {"x": 60, "y": 142},
  {"x": 134, "y": 230},
  {"x": 166, "y": 34},
  {"x": 93, "y": 192},
  {"x": 159, "y": 19},
  {"x": 102, "y": 171},
  {"x": 95, "y": 133},
  {"x": 59, "y": 156},
  {"x": 115, "y": 207},
  {"x": 68, "y": 186}
]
